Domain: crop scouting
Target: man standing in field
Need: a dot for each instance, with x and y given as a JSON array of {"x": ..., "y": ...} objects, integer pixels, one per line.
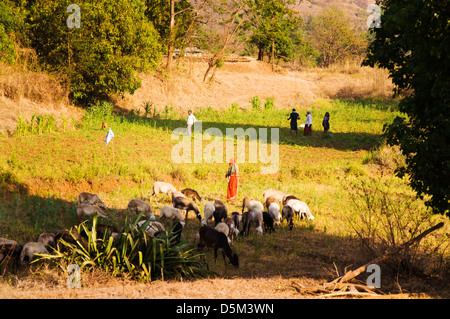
[
  {"x": 294, "y": 117},
  {"x": 190, "y": 121},
  {"x": 233, "y": 181}
]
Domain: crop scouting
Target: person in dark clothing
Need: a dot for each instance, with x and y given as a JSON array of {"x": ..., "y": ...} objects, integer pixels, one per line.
[
  {"x": 326, "y": 123},
  {"x": 294, "y": 117}
]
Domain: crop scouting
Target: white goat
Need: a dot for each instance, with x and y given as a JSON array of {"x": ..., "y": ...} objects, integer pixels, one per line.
[
  {"x": 172, "y": 213},
  {"x": 152, "y": 228},
  {"x": 278, "y": 195},
  {"x": 90, "y": 198},
  {"x": 300, "y": 208},
  {"x": 274, "y": 211},
  {"x": 89, "y": 210},
  {"x": 163, "y": 187},
  {"x": 208, "y": 212},
  {"x": 223, "y": 228},
  {"x": 253, "y": 218},
  {"x": 48, "y": 239},
  {"x": 29, "y": 250},
  {"x": 254, "y": 204},
  {"x": 141, "y": 206}
]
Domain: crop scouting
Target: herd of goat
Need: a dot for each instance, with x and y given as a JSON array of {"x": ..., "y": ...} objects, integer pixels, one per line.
[{"x": 254, "y": 217}]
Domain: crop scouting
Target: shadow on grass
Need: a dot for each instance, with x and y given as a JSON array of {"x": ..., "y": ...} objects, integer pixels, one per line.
[{"x": 338, "y": 141}]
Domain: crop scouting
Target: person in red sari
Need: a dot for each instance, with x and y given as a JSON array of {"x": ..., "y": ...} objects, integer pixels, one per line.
[{"x": 233, "y": 181}]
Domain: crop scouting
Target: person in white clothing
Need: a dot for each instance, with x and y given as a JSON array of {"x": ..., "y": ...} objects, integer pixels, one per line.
[
  {"x": 190, "y": 121},
  {"x": 308, "y": 124}
]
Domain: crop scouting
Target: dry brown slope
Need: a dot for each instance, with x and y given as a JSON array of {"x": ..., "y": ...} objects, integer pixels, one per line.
[{"x": 238, "y": 82}]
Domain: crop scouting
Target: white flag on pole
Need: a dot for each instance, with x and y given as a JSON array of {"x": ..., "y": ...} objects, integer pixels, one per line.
[{"x": 109, "y": 136}]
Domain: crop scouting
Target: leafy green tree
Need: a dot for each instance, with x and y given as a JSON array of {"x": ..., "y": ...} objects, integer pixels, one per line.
[
  {"x": 174, "y": 21},
  {"x": 271, "y": 24},
  {"x": 114, "y": 43},
  {"x": 413, "y": 43},
  {"x": 12, "y": 30},
  {"x": 332, "y": 35}
]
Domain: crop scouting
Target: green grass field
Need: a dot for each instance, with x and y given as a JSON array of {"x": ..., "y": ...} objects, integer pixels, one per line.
[{"x": 42, "y": 174}]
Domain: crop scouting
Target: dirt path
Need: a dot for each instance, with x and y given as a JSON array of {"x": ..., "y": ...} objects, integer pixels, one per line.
[{"x": 218, "y": 288}]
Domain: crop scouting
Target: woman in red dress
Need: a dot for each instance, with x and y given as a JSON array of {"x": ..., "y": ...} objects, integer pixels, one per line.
[{"x": 233, "y": 181}]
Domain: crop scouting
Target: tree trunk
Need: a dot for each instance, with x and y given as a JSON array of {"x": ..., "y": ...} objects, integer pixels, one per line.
[
  {"x": 273, "y": 54},
  {"x": 171, "y": 35}
]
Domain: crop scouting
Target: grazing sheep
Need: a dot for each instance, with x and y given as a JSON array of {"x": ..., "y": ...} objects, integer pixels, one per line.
[
  {"x": 88, "y": 198},
  {"x": 237, "y": 220},
  {"x": 269, "y": 200},
  {"x": 220, "y": 212},
  {"x": 177, "y": 194},
  {"x": 254, "y": 204},
  {"x": 288, "y": 214},
  {"x": 245, "y": 202},
  {"x": 153, "y": 228},
  {"x": 254, "y": 218},
  {"x": 29, "y": 250},
  {"x": 163, "y": 187},
  {"x": 187, "y": 205},
  {"x": 172, "y": 213},
  {"x": 139, "y": 206},
  {"x": 47, "y": 239},
  {"x": 9, "y": 248},
  {"x": 210, "y": 237},
  {"x": 288, "y": 197},
  {"x": 274, "y": 210},
  {"x": 278, "y": 195},
  {"x": 268, "y": 222},
  {"x": 89, "y": 210},
  {"x": 233, "y": 232},
  {"x": 189, "y": 192},
  {"x": 223, "y": 228},
  {"x": 300, "y": 208},
  {"x": 208, "y": 212}
]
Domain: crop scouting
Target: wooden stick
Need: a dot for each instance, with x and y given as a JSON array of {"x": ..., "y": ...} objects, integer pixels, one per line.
[{"x": 352, "y": 274}]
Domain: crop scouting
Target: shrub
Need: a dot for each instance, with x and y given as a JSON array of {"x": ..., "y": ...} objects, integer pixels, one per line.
[
  {"x": 269, "y": 103},
  {"x": 256, "y": 103},
  {"x": 133, "y": 254},
  {"x": 385, "y": 217}
]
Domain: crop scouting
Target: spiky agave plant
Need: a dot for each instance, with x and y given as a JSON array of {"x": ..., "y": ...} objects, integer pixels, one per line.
[{"x": 132, "y": 253}]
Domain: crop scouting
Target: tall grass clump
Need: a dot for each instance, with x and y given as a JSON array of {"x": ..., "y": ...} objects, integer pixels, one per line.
[
  {"x": 256, "y": 103},
  {"x": 97, "y": 113},
  {"x": 132, "y": 253},
  {"x": 269, "y": 104}
]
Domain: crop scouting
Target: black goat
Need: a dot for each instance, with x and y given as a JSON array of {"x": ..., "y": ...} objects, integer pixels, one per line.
[
  {"x": 288, "y": 213},
  {"x": 268, "y": 222},
  {"x": 220, "y": 213},
  {"x": 210, "y": 237}
]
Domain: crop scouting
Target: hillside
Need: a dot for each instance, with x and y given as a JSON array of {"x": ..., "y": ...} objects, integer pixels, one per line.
[
  {"x": 355, "y": 9},
  {"x": 239, "y": 82}
]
